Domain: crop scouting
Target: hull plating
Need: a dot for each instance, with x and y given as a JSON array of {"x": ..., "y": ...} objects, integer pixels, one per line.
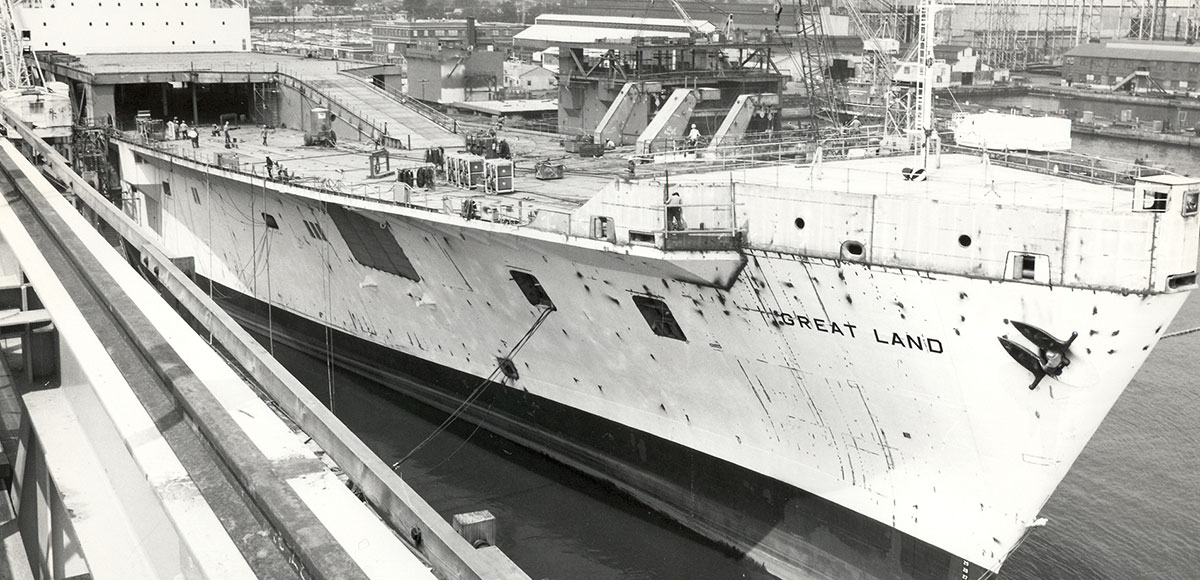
[{"x": 880, "y": 392}]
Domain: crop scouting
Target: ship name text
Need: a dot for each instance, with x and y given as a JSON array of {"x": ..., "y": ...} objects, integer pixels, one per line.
[{"x": 851, "y": 330}]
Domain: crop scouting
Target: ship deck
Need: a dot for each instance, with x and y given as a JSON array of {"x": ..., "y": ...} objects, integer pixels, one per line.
[
  {"x": 346, "y": 166},
  {"x": 959, "y": 177}
]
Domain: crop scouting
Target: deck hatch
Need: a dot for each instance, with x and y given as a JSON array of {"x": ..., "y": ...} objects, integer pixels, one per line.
[
  {"x": 658, "y": 316},
  {"x": 372, "y": 243}
]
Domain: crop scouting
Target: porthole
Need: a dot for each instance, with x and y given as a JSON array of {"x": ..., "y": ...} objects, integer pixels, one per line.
[
  {"x": 799, "y": 223},
  {"x": 964, "y": 241}
]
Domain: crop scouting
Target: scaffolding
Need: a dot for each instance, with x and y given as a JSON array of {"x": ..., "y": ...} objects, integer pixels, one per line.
[
  {"x": 824, "y": 100},
  {"x": 1147, "y": 18},
  {"x": 1089, "y": 24},
  {"x": 997, "y": 24},
  {"x": 1054, "y": 30}
]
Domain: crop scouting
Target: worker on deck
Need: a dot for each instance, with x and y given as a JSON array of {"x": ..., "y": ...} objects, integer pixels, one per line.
[
  {"x": 694, "y": 136},
  {"x": 675, "y": 212}
]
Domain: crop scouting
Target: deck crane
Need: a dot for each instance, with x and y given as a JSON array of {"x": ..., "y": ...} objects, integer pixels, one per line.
[{"x": 45, "y": 107}]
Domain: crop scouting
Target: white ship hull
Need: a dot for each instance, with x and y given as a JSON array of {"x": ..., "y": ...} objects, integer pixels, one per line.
[{"x": 882, "y": 390}]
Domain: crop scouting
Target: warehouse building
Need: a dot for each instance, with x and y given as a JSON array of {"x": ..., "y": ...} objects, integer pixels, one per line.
[{"x": 1135, "y": 66}]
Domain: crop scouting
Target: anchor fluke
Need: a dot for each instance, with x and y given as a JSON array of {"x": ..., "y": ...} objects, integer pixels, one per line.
[{"x": 1025, "y": 358}]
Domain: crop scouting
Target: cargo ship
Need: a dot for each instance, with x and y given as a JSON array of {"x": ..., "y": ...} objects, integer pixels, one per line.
[{"x": 839, "y": 359}]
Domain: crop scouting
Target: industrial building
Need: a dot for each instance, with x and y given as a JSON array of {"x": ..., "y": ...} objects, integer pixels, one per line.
[
  {"x": 390, "y": 39},
  {"x": 601, "y": 55},
  {"x": 453, "y": 74},
  {"x": 1135, "y": 66}
]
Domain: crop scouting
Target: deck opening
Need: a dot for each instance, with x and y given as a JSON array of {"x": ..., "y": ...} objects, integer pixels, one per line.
[
  {"x": 371, "y": 243},
  {"x": 641, "y": 237},
  {"x": 852, "y": 250},
  {"x": 531, "y": 288},
  {"x": 658, "y": 316},
  {"x": 1181, "y": 281},
  {"x": 1028, "y": 267},
  {"x": 270, "y": 221},
  {"x": 604, "y": 228}
]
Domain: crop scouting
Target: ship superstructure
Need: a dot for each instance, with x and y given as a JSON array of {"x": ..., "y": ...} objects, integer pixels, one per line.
[{"x": 842, "y": 361}]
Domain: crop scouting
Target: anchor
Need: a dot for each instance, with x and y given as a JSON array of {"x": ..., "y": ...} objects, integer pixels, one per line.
[{"x": 1051, "y": 358}]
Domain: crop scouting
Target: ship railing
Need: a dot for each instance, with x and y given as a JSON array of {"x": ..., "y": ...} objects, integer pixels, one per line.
[
  {"x": 390, "y": 193},
  {"x": 416, "y": 105},
  {"x": 363, "y": 124},
  {"x": 786, "y": 147},
  {"x": 1071, "y": 165},
  {"x": 1118, "y": 197}
]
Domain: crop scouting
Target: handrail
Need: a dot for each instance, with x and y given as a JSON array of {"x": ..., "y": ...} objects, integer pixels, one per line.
[
  {"x": 377, "y": 132},
  {"x": 174, "y": 153},
  {"x": 443, "y": 120}
]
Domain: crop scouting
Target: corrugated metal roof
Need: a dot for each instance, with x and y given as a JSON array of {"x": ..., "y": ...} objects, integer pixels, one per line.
[
  {"x": 622, "y": 22},
  {"x": 553, "y": 34},
  {"x": 1139, "y": 51}
]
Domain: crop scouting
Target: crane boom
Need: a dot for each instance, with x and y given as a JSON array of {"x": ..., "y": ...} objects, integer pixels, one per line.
[{"x": 683, "y": 15}]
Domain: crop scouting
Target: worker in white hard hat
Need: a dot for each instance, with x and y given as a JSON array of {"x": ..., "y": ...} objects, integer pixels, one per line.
[{"x": 694, "y": 136}]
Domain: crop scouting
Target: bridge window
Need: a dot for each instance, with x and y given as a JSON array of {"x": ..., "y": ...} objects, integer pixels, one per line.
[
  {"x": 1191, "y": 203},
  {"x": 268, "y": 219},
  {"x": 964, "y": 241},
  {"x": 166, "y": 188},
  {"x": 659, "y": 317},
  {"x": 1155, "y": 201}
]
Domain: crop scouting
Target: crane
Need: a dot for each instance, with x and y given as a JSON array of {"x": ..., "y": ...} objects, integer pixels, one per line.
[
  {"x": 824, "y": 99},
  {"x": 684, "y": 16},
  {"x": 16, "y": 74},
  {"x": 45, "y": 107}
]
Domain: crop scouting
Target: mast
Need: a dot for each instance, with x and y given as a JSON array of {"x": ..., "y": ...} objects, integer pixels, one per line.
[{"x": 927, "y": 9}]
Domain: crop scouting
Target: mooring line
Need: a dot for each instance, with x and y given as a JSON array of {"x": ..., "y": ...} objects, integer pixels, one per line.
[{"x": 1181, "y": 332}]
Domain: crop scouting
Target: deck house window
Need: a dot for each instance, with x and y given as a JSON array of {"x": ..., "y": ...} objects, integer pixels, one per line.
[
  {"x": 1153, "y": 200},
  {"x": 1191, "y": 202}
]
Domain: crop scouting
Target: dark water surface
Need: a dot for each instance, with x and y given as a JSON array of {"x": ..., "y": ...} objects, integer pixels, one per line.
[{"x": 1128, "y": 509}]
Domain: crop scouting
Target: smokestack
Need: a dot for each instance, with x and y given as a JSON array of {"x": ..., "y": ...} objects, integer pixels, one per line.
[{"x": 472, "y": 33}]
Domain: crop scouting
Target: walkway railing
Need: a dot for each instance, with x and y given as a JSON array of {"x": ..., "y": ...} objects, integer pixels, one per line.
[{"x": 416, "y": 105}]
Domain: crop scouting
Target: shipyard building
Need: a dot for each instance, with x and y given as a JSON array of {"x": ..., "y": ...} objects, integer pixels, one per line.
[
  {"x": 1136, "y": 66},
  {"x": 390, "y": 39}
]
